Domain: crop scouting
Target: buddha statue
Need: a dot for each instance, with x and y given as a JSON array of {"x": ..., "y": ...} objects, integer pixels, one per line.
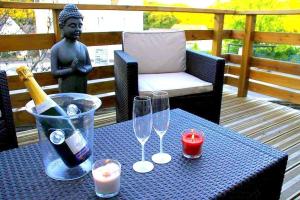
[{"x": 70, "y": 61}]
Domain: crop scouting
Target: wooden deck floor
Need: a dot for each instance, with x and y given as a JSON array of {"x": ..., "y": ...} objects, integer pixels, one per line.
[{"x": 269, "y": 123}]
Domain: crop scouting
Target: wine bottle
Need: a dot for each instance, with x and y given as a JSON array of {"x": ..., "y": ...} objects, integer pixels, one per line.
[{"x": 65, "y": 138}]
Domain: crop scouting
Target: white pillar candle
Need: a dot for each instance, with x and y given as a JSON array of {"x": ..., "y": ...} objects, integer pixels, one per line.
[{"x": 107, "y": 178}]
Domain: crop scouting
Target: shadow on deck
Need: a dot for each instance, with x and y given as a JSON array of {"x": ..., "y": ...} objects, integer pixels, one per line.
[{"x": 267, "y": 122}]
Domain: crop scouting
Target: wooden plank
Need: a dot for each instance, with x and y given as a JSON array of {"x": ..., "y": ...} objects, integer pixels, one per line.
[
  {"x": 46, "y": 41},
  {"x": 237, "y": 35},
  {"x": 256, "y": 122},
  {"x": 105, "y": 38},
  {"x": 247, "y": 53},
  {"x": 199, "y": 35},
  {"x": 291, "y": 184},
  {"x": 57, "y": 33},
  {"x": 46, "y": 78},
  {"x": 233, "y": 81},
  {"x": 290, "y": 96},
  {"x": 276, "y": 79},
  {"x": 232, "y": 106},
  {"x": 230, "y": 118},
  {"x": 26, "y": 42},
  {"x": 227, "y": 34},
  {"x": 269, "y": 122},
  {"x": 232, "y": 69},
  {"x": 238, "y": 105},
  {"x": 276, "y": 130},
  {"x": 247, "y": 119},
  {"x": 218, "y": 34},
  {"x": 294, "y": 156},
  {"x": 267, "y": 77},
  {"x": 15, "y": 5},
  {"x": 234, "y": 58},
  {"x": 278, "y": 38},
  {"x": 21, "y": 98},
  {"x": 275, "y": 65},
  {"x": 286, "y": 140}
]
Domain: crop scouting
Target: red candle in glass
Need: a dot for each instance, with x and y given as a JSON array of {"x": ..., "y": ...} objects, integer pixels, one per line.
[{"x": 192, "y": 142}]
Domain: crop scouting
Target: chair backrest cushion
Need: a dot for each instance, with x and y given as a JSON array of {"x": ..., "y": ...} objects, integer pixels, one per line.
[{"x": 157, "y": 51}]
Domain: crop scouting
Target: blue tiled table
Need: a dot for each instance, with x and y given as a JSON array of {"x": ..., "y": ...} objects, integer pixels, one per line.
[{"x": 231, "y": 167}]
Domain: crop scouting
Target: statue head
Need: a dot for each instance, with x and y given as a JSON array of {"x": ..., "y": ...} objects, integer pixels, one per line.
[{"x": 70, "y": 21}]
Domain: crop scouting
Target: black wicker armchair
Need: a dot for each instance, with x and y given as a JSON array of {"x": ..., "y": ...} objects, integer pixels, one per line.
[
  {"x": 203, "y": 66},
  {"x": 8, "y": 139}
]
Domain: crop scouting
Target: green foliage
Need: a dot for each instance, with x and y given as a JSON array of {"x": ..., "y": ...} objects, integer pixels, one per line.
[
  {"x": 23, "y": 17},
  {"x": 158, "y": 20}
]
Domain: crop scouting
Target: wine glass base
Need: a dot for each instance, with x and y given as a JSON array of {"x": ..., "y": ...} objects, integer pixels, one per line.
[
  {"x": 143, "y": 166},
  {"x": 161, "y": 158}
]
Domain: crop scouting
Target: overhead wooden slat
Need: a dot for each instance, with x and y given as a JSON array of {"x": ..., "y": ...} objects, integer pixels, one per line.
[
  {"x": 111, "y": 7},
  {"x": 46, "y": 78},
  {"x": 278, "y": 38},
  {"x": 20, "y": 99},
  {"x": 268, "y": 12},
  {"x": 26, "y": 42}
]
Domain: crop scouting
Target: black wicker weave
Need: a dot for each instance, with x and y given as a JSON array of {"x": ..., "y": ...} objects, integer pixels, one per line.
[
  {"x": 231, "y": 167},
  {"x": 206, "y": 67},
  {"x": 8, "y": 139}
]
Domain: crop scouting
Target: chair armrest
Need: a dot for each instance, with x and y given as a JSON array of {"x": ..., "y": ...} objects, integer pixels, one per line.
[
  {"x": 206, "y": 67},
  {"x": 126, "y": 82}
]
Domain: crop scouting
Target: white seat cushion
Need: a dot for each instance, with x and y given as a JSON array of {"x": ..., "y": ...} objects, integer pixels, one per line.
[
  {"x": 157, "y": 51},
  {"x": 176, "y": 84}
]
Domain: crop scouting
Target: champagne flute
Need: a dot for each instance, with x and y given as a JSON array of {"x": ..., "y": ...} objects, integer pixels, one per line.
[
  {"x": 142, "y": 126},
  {"x": 161, "y": 119}
]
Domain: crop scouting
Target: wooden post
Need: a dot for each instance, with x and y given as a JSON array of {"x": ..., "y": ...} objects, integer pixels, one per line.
[
  {"x": 218, "y": 33},
  {"x": 56, "y": 28},
  {"x": 246, "y": 56}
]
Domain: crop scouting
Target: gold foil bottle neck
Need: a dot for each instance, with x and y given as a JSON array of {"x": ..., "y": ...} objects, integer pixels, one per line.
[{"x": 24, "y": 73}]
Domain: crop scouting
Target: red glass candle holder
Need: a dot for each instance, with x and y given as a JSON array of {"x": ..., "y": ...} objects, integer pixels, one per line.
[{"x": 192, "y": 141}]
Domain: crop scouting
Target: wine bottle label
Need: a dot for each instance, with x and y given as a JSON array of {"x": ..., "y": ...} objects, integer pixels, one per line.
[
  {"x": 45, "y": 106},
  {"x": 77, "y": 144}
]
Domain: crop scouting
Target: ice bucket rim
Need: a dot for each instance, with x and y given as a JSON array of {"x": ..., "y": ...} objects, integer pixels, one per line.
[{"x": 96, "y": 101}]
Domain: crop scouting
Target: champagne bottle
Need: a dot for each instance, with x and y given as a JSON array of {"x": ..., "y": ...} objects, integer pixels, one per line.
[{"x": 65, "y": 138}]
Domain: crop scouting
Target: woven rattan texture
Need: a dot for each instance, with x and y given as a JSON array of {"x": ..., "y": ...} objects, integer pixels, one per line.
[
  {"x": 203, "y": 66},
  {"x": 8, "y": 139},
  {"x": 231, "y": 166}
]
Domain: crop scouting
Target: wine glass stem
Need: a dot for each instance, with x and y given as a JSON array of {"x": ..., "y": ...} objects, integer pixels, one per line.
[
  {"x": 143, "y": 153},
  {"x": 161, "y": 144}
]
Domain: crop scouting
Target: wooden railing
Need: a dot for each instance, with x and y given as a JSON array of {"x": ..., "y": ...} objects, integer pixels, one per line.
[{"x": 240, "y": 71}]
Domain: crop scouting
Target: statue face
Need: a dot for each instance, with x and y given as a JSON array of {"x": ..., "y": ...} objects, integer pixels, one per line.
[{"x": 72, "y": 28}]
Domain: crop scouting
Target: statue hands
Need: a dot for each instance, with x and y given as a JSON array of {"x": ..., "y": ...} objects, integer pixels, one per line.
[
  {"x": 74, "y": 64},
  {"x": 78, "y": 66}
]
